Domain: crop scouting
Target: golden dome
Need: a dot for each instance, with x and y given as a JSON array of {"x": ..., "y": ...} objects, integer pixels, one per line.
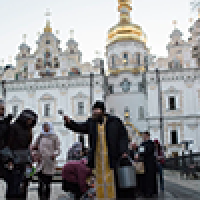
[
  {"x": 48, "y": 28},
  {"x": 125, "y": 30}
]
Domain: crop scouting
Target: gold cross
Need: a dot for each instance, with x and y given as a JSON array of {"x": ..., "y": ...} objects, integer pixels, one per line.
[
  {"x": 48, "y": 13},
  {"x": 24, "y": 36},
  {"x": 71, "y": 34},
  {"x": 57, "y": 32},
  {"x": 174, "y": 22}
]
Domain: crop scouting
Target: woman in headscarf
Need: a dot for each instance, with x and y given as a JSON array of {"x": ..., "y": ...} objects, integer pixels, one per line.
[
  {"x": 47, "y": 146},
  {"x": 75, "y": 175},
  {"x": 75, "y": 152}
]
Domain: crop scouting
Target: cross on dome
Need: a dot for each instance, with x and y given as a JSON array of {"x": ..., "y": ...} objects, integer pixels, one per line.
[
  {"x": 174, "y": 22},
  {"x": 71, "y": 34},
  {"x": 24, "y": 36}
]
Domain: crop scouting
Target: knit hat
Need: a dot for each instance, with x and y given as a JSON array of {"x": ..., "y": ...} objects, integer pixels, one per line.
[{"x": 100, "y": 105}]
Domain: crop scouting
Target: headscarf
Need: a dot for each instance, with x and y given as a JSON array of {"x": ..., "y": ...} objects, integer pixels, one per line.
[
  {"x": 51, "y": 131},
  {"x": 74, "y": 152}
]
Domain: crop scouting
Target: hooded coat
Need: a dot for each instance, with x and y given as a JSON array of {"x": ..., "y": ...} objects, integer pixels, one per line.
[
  {"x": 20, "y": 133},
  {"x": 116, "y": 137}
]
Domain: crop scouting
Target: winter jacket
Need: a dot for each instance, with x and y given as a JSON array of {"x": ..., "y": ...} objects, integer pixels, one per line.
[
  {"x": 45, "y": 146},
  {"x": 4, "y": 131},
  {"x": 76, "y": 172},
  {"x": 20, "y": 136}
]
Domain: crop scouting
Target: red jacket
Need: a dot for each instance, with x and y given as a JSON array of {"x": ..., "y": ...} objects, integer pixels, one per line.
[{"x": 76, "y": 172}]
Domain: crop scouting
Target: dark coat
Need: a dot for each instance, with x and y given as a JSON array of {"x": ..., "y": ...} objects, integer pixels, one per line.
[
  {"x": 150, "y": 183},
  {"x": 116, "y": 135},
  {"x": 4, "y": 136},
  {"x": 76, "y": 172},
  {"x": 4, "y": 131},
  {"x": 20, "y": 134}
]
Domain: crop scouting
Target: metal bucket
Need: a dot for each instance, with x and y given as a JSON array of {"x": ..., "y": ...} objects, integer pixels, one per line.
[{"x": 126, "y": 176}]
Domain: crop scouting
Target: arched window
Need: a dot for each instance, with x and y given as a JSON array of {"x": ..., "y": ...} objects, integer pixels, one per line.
[
  {"x": 125, "y": 59},
  {"x": 113, "y": 61},
  {"x": 170, "y": 65},
  {"x": 80, "y": 108},
  {"x": 47, "y": 59},
  {"x": 47, "y": 110},
  {"x": 174, "y": 137},
  {"x": 138, "y": 59},
  {"x": 71, "y": 51},
  {"x": 146, "y": 62}
]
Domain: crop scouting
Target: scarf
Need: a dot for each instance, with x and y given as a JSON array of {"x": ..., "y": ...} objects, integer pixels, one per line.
[{"x": 51, "y": 131}]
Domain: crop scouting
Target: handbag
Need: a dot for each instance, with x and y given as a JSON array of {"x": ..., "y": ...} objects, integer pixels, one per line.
[
  {"x": 139, "y": 166},
  {"x": 22, "y": 157}
]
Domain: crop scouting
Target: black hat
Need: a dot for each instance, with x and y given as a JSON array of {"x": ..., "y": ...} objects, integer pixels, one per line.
[{"x": 99, "y": 104}]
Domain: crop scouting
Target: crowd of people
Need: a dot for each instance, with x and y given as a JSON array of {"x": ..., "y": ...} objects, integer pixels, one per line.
[{"x": 88, "y": 173}]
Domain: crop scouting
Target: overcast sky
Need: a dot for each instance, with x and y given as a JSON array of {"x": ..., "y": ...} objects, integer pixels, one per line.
[{"x": 90, "y": 20}]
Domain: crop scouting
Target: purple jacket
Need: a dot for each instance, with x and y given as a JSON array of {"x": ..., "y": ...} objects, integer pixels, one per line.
[{"x": 76, "y": 172}]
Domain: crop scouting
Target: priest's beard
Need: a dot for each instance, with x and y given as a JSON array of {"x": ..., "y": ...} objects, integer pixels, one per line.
[{"x": 98, "y": 117}]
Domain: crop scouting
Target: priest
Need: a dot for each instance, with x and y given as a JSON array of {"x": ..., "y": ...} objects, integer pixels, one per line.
[{"x": 108, "y": 140}]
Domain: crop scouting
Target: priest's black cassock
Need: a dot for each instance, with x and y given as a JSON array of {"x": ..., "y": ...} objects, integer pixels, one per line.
[
  {"x": 116, "y": 138},
  {"x": 149, "y": 182}
]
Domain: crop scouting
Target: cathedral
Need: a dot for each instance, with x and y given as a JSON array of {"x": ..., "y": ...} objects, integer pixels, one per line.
[{"x": 160, "y": 95}]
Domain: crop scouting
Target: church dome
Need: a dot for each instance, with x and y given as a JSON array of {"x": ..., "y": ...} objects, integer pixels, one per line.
[{"x": 125, "y": 29}]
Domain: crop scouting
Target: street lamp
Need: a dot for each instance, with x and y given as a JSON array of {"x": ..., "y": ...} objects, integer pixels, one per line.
[{"x": 160, "y": 107}]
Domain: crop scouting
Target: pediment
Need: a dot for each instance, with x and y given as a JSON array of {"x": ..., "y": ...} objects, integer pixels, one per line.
[
  {"x": 15, "y": 99},
  {"x": 47, "y": 97},
  {"x": 80, "y": 95},
  {"x": 172, "y": 89}
]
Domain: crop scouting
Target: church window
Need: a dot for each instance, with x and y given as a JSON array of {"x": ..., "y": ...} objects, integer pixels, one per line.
[
  {"x": 80, "y": 108},
  {"x": 47, "y": 110},
  {"x": 125, "y": 85},
  {"x": 16, "y": 76},
  {"x": 125, "y": 59},
  {"x": 170, "y": 65},
  {"x": 141, "y": 112},
  {"x": 140, "y": 87},
  {"x": 113, "y": 61},
  {"x": 138, "y": 59},
  {"x": 172, "y": 103},
  {"x": 195, "y": 48},
  {"x": 176, "y": 43},
  {"x": 111, "y": 89},
  {"x": 174, "y": 137},
  {"x": 15, "y": 110},
  {"x": 47, "y": 41},
  {"x": 23, "y": 55},
  {"x": 101, "y": 63},
  {"x": 71, "y": 51},
  {"x": 146, "y": 62}
]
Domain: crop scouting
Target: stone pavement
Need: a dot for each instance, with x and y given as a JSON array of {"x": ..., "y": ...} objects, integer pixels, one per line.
[
  {"x": 57, "y": 193},
  {"x": 174, "y": 177}
]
